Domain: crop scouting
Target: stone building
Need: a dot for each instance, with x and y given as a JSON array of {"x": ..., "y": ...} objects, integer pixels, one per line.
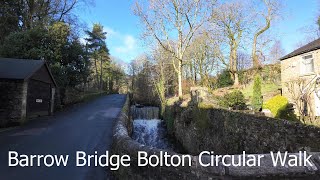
[
  {"x": 27, "y": 89},
  {"x": 300, "y": 78}
]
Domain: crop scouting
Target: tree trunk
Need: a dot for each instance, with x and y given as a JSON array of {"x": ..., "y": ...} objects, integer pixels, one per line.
[
  {"x": 100, "y": 73},
  {"x": 180, "y": 79},
  {"x": 255, "y": 60},
  {"x": 97, "y": 75},
  {"x": 233, "y": 66},
  {"x": 195, "y": 77},
  {"x": 236, "y": 79},
  {"x": 191, "y": 74}
]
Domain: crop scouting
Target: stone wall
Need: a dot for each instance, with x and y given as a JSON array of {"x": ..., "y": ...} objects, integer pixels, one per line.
[
  {"x": 11, "y": 101},
  {"x": 228, "y": 132},
  {"x": 123, "y": 145}
]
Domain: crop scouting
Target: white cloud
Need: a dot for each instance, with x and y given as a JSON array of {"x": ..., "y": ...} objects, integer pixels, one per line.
[
  {"x": 110, "y": 32},
  {"x": 82, "y": 40},
  {"x": 121, "y": 45},
  {"x": 129, "y": 44}
]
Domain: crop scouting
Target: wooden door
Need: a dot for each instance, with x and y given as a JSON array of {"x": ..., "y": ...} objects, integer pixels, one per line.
[{"x": 38, "y": 99}]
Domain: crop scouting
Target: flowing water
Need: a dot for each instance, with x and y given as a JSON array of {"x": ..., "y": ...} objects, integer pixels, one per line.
[
  {"x": 151, "y": 133},
  {"x": 149, "y": 130}
]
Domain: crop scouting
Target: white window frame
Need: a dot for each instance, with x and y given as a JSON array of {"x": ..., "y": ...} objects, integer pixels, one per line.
[{"x": 302, "y": 65}]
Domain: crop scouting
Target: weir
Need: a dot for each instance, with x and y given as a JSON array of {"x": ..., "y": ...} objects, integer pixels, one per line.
[
  {"x": 144, "y": 112},
  {"x": 148, "y": 129}
]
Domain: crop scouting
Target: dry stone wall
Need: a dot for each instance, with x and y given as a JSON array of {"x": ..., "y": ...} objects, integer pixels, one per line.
[{"x": 229, "y": 132}]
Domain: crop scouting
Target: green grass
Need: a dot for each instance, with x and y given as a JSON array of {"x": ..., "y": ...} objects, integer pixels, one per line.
[{"x": 265, "y": 89}]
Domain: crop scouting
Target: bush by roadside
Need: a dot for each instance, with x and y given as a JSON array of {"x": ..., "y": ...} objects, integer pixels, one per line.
[
  {"x": 234, "y": 100},
  {"x": 279, "y": 107}
]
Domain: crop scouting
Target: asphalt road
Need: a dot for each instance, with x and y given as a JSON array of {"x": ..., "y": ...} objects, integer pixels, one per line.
[{"x": 84, "y": 127}]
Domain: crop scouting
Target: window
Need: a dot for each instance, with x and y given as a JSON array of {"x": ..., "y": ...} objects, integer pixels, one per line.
[{"x": 307, "y": 64}]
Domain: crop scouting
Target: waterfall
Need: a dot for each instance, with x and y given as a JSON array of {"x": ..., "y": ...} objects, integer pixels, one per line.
[
  {"x": 147, "y": 112},
  {"x": 151, "y": 132}
]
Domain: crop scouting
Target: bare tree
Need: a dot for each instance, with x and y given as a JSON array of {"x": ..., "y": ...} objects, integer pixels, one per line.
[
  {"x": 276, "y": 52},
  {"x": 202, "y": 57},
  {"x": 300, "y": 92},
  {"x": 231, "y": 20},
  {"x": 168, "y": 21},
  {"x": 268, "y": 14},
  {"x": 42, "y": 11},
  {"x": 243, "y": 61},
  {"x": 162, "y": 74}
]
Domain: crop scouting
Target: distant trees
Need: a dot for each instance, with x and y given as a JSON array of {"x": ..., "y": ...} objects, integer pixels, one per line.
[
  {"x": 230, "y": 18},
  {"x": 204, "y": 37},
  {"x": 153, "y": 78},
  {"x": 243, "y": 61},
  {"x": 276, "y": 52},
  {"x": 173, "y": 24},
  {"x": 141, "y": 80},
  {"x": 201, "y": 59}
]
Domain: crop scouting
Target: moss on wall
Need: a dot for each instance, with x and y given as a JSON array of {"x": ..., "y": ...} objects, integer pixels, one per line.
[
  {"x": 201, "y": 117},
  {"x": 228, "y": 132}
]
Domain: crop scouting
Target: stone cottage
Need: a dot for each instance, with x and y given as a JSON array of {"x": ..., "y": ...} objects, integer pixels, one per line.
[
  {"x": 27, "y": 89},
  {"x": 300, "y": 78}
]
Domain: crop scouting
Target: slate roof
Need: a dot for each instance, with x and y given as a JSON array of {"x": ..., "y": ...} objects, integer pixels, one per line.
[
  {"x": 20, "y": 69},
  {"x": 314, "y": 45}
]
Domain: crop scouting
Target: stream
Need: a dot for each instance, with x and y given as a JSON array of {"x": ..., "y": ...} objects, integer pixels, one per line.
[
  {"x": 149, "y": 130},
  {"x": 151, "y": 133}
]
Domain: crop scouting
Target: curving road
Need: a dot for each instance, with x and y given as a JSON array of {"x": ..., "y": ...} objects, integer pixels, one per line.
[{"x": 84, "y": 127}]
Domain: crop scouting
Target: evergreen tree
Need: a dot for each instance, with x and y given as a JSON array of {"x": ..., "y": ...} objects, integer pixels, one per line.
[
  {"x": 257, "y": 95},
  {"x": 98, "y": 50}
]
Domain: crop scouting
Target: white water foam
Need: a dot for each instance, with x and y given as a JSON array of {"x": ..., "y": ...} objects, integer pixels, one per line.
[{"x": 151, "y": 133}]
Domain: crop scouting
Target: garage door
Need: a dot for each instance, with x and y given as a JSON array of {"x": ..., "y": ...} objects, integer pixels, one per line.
[{"x": 38, "y": 99}]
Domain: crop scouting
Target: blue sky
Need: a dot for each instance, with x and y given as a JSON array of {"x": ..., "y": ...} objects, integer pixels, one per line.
[
  {"x": 123, "y": 34},
  {"x": 123, "y": 38},
  {"x": 298, "y": 16}
]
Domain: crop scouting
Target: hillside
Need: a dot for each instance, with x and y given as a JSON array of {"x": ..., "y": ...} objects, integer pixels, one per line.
[{"x": 271, "y": 83}]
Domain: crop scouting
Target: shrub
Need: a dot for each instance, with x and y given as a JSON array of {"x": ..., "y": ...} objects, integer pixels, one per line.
[
  {"x": 203, "y": 105},
  {"x": 168, "y": 115},
  {"x": 235, "y": 100},
  {"x": 224, "y": 79},
  {"x": 256, "y": 100},
  {"x": 278, "y": 105}
]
